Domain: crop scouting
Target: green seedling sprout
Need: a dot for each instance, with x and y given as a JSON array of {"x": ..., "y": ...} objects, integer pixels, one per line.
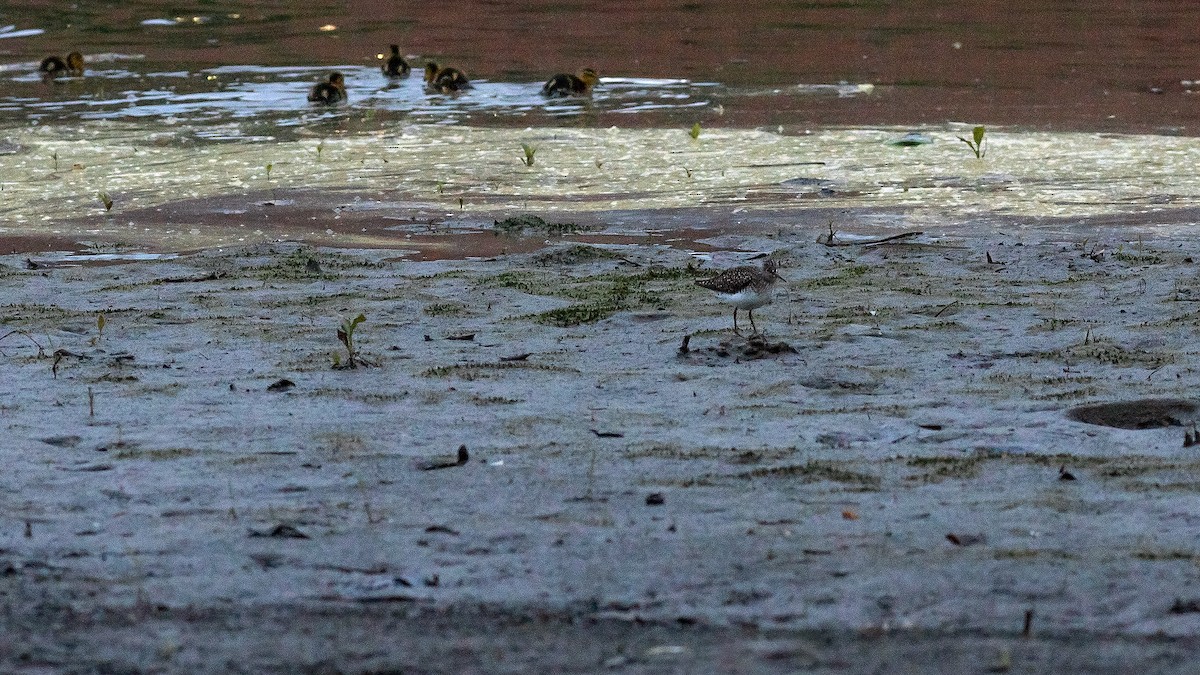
[
  {"x": 695, "y": 132},
  {"x": 320, "y": 149},
  {"x": 976, "y": 145},
  {"x": 345, "y": 334},
  {"x": 105, "y": 199},
  {"x": 100, "y": 321},
  {"x": 269, "y": 167},
  {"x": 55, "y": 156},
  {"x": 530, "y": 151}
]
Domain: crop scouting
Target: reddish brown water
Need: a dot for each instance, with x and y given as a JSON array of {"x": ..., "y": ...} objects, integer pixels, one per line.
[
  {"x": 1048, "y": 64},
  {"x": 234, "y": 72}
]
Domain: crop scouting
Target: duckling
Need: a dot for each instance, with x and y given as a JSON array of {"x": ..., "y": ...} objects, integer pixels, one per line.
[
  {"x": 53, "y": 66},
  {"x": 396, "y": 66},
  {"x": 565, "y": 84},
  {"x": 445, "y": 80},
  {"x": 333, "y": 91}
]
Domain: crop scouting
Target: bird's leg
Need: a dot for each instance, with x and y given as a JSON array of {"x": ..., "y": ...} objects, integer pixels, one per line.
[
  {"x": 735, "y": 327},
  {"x": 752, "y": 326}
]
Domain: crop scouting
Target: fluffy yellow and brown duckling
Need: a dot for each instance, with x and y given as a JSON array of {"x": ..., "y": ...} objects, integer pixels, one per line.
[
  {"x": 54, "y": 66},
  {"x": 565, "y": 84},
  {"x": 396, "y": 66},
  {"x": 331, "y": 91},
  {"x": 445, "y": 80}
]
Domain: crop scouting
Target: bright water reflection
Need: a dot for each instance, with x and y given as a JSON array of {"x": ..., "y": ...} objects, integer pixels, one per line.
[{"x": 112, "y": 89}]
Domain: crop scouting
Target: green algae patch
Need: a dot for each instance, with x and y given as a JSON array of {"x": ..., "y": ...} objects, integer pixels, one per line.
[
  {"x": 519, "y": 224},
  {"x": 477, "y": 371},
  {"x": 576, "y": 254},
  {"x": 445, "y": 309},
  {"x": 816, "y": 470},
  {"x": 574, "y": 315}
]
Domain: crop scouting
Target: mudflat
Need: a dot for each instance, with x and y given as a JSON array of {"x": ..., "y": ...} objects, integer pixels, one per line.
[{"x": 888, "y": 477}]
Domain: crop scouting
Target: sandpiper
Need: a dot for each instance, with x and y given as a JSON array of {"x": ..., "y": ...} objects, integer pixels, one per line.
[{"x": 745, "y": 288}]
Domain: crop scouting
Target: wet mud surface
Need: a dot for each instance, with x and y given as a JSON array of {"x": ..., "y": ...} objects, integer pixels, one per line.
[{"x": 890, "y": 477}]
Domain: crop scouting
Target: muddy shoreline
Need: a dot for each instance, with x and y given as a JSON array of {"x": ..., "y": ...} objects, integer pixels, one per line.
[{"x": 894, "y": 484}]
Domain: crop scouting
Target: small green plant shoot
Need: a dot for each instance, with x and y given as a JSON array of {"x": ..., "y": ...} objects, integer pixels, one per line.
[
  {"x": 530, "y": 151},
  {"x": 100, "y": 321},
  {"x": 269, "y": 167},
  {"x": 345, "y": 334},
  {"x": 976, "y": 145},
  {"x": 106, "y": 200},
  {"x": 695, "y": 132}
]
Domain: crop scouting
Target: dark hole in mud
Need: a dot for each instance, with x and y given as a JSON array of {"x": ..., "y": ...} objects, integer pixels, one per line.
[{"x": 1150, "y": 413}]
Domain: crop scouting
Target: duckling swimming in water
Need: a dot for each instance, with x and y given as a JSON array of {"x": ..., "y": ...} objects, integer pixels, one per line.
[
  {"x": 565, "y": 84},
  {"x": 333, "y": 91},
  {"x": 445, "y": 80},
  {"x": 53, "y": 66},
  {"x": 396, "y": 66}
]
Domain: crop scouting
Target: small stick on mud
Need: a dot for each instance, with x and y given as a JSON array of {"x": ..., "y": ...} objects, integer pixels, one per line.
[
  {"x": 870, "y": 242},
  {"x": 683, "y": 346},
  {"x": 939, "y": 312},
  {"x": 1027, "y": 631},
  {"x": 41, "y": 352},
  {"x": 211, "y": 276},
  {"x": 607, "y": 434}
]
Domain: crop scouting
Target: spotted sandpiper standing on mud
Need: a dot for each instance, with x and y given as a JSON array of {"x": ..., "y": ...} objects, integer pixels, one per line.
[{"x": 745, "y": 288}]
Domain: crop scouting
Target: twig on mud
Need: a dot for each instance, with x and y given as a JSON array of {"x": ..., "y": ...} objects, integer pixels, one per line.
[
  {"x": 17, "y": 331},
  {"x": 870, "y": 242},
  {"x": 59, "y": 355},
  {"x": 939, "y": 312},
  {"x": 211, "y": 276},
  {"x": 607, "y": 434}
]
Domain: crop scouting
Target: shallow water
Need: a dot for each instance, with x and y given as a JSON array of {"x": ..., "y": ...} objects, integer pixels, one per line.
[
  {"x": 182, "y": 110},
  {"x": 172, "y": 190},
  {"x": 1059, "y": 66}
]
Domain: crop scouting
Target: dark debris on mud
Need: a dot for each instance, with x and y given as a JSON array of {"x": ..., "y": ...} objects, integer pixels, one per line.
[{"x": 736, "y": 349}]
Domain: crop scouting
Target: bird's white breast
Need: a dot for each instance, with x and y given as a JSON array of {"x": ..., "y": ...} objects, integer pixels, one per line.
[{"x": 748, "y": 298}]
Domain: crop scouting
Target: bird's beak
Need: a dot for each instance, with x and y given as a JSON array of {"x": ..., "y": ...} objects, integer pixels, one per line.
[{"x": 777, "y": 276}]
